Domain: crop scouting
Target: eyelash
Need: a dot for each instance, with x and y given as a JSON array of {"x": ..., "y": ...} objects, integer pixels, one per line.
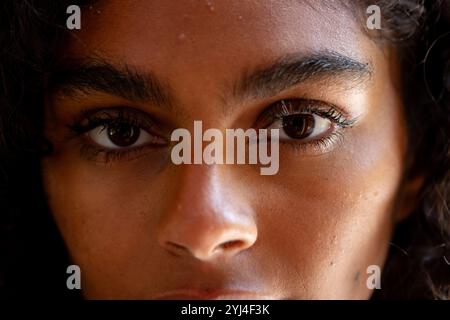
[
  {"x": 107, "y": 118},
  {"x": 288, "y": 107},
  {"x": 275, "y": 112}
]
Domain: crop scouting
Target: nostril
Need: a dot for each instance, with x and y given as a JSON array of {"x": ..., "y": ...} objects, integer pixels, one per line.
[
  {"x": 234, "y": 244},
  {"x": 175, "y": 247}
]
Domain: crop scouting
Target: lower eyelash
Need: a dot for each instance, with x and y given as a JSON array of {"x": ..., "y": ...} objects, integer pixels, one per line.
[
  {"x": 319, "y": 146},
  {"x": 340, "y": 120},
  {"x": 100, "y": 155},
  {"x": 105, "y": 118}
]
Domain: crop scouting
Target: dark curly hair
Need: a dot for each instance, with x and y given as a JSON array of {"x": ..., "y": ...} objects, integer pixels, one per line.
[
  {"x": 33, "y": 256},
  {"x": 418, "y": 265}
]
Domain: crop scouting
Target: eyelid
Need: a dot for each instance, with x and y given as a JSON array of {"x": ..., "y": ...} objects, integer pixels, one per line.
[
  {"x": 287, "y": 107},
  {"x": 92, "y": 119},
  {"x": 339, "y": 119},
  {"x": 97, "y": 117},
  {"x": 143, "y": 135}
]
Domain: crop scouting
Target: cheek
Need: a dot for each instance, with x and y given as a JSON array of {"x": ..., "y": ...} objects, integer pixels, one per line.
[
  {"x": 105, "y": 214},
  {"x": 330, "y": 217}
]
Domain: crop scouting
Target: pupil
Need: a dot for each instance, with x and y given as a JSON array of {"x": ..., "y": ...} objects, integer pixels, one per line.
[
  {"x": 123, "y": 135},
  {"x": 298, "y": 126}
]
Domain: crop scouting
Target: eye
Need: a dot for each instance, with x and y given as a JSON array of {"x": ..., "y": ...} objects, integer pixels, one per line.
[
  {"x": 122, "y": 135},
  {"x": 302, "y": 126}
]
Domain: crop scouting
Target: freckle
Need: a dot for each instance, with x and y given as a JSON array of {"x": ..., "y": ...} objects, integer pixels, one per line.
[{"x": 331, "y": 263}]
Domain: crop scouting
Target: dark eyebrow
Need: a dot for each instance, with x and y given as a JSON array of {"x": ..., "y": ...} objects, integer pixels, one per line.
[
  {"x": 98, "y": 75},
  {"x": 293, "y": 70},
  {"x": 265, "y": 81}
]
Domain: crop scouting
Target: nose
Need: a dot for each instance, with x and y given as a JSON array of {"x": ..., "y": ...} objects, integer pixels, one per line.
[{"x": 206, "y": 216}]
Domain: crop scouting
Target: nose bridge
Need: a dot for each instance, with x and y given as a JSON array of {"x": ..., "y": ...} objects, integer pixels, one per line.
[{"x": 206, "y": 216}]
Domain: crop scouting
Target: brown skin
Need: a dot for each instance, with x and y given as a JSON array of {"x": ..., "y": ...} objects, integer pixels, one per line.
[{"x": 140, "y": 227}]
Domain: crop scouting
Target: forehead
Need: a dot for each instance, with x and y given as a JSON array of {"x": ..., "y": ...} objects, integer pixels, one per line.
[
  {"x": 200, "y": 48},
  {"x": 160, "y": 32}
]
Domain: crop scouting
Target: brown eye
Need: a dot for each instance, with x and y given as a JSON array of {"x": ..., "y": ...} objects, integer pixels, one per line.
[
  {"x": 298, "y": 126},
  {"x": 123, "y": 135},
  {"x": 302, "y": 126}
]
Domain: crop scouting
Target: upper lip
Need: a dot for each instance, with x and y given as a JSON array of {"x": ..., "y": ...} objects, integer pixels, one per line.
[{"x": 211, "y": 294}]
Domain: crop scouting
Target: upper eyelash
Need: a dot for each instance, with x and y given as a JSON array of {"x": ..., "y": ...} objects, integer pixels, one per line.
[
  {"x": 133, "y": 117},
  {"x": 105, "y": 117},
  {"x": 288, "y": 107}
]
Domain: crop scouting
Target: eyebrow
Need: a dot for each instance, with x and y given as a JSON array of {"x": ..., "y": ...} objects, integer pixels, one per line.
[
  {"x": 124, "y": 81},
  {"x": 294, "y": 70},
  {"x": 261, "y": 82}
]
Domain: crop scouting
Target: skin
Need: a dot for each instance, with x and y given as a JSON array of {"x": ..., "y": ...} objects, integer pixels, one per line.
[{"x": 143, "y": 227}]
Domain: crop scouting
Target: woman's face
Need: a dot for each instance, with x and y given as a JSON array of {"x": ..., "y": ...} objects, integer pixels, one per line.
[{"x": 140, "y": 226}]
